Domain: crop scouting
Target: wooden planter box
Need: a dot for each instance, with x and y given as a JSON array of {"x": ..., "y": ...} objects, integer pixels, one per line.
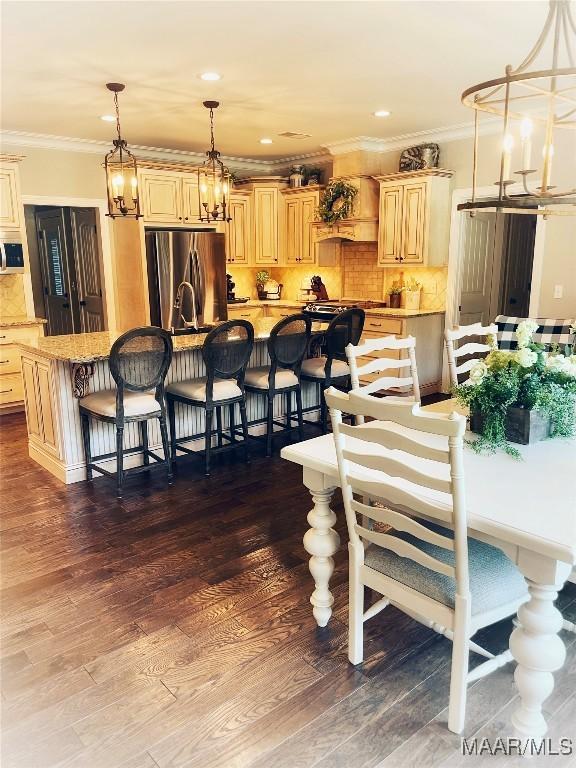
[{"x": 522, "y": 426}]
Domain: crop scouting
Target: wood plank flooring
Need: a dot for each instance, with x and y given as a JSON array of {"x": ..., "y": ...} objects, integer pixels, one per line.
[{"x": 173, "y": 630}]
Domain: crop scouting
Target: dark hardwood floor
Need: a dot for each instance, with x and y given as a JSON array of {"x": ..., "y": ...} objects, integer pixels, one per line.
[{"x": 173, "y": 629}]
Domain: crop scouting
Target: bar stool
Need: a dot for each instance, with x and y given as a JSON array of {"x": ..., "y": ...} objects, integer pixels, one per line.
[
  {"x": 226, "y": 352},
  {"x": 139, "y": 361},
  {"x": 287, "y": 346},
  {"x": 332, "y": 369}
]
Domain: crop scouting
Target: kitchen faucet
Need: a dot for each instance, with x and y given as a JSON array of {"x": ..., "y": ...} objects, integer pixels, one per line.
[{"x": 193, "y": 323}]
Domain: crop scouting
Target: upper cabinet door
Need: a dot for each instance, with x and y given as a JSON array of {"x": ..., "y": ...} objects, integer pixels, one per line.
[
  {"x": 190, "y": 201},
  {"x": 309, "y": 206},
  {"x": 390, "y": 226},
  {"x": 9, "y": 207},
  {"x": 294, "y": 230},
  {"x": 266, "y": 225},
  {"x": 239, "y": 231},
  {"x": 162, "y": 197},
  {"x": 414, "y": 223}
]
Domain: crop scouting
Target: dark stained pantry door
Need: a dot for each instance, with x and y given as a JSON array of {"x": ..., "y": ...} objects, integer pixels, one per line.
[
  {"x": 55, "y": 263},
  {"x": 87, "y": 264}
]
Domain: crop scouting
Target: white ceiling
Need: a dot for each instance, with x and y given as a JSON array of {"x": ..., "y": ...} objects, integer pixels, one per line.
[{"x": 316, "y": 67}]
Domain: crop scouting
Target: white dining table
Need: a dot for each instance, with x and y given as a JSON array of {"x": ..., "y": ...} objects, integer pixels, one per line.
[{"x": 526, "y": 507}]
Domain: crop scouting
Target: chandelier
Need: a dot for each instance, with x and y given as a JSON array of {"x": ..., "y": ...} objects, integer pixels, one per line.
[
  {"x": 121, "y": 171},
  {"x": 214, "y": 180},
  {"x": 533, "y": 102}
]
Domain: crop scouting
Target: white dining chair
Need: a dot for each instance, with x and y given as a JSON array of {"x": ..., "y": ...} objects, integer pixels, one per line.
[
  {"x": 399, "y": 374},
  {"x": 468, "y": 349},
  {"x": 412, "y": 462}
]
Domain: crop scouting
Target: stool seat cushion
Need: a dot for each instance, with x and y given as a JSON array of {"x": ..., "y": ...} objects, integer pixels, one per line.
[
  {"x": 314, "y": 368},
  {"x": 135, "y": 403},
  {"x": 195, "y": 389},
  {"x": 258, "y": 378}
]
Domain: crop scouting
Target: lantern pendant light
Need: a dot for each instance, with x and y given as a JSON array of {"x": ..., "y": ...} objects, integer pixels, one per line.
[
  {"x": 121, "y": 171},
  {"x": 214, "y": 180},
  {"x": 534, "y": 102}
]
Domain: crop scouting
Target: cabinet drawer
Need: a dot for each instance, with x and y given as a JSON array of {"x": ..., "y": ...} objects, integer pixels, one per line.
[
  {"x": 381, "y": 325},
  {"x": 282, "y": 311},
  {"x": 11, "y": 389},
  {"x": 9, "y": 359},
  {"x": 246, "y": 313},
  {"x": 25, "y": 334}
]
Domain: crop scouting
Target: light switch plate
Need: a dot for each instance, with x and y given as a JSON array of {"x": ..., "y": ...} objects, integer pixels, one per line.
[{"x": 558, "y": 291}]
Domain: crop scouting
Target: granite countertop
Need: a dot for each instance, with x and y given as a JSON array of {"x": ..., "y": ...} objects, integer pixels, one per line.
[
  {"x": 13, "y": 321},
  {"x": 371, "y": 312},
  {"x": 89, "y": 347}
]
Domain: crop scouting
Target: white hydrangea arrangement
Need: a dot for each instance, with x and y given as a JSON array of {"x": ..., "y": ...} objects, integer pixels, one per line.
[{"x": 527, "y": 377}]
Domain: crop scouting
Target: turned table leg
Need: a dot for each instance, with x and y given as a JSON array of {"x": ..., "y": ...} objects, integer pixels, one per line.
[
  {"x": 537, "y": 648},
  {"x": 321, "y": 542}
]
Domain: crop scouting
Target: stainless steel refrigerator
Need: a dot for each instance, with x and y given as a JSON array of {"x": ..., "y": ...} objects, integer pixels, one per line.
[{"x": 186, "y": 278}]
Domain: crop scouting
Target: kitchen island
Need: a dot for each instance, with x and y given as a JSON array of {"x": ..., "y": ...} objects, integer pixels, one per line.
[{"x": 58, "y": 370}]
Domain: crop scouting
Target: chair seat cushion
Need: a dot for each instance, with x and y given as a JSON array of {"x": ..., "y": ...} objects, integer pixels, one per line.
[
  {"x": 314, "y": 368},
  {"x": 494, "y": 579},
  {"x": 258, "y": 378},
  {"x": 135, "y": 403},
  {"x": 195, "y": 389}
]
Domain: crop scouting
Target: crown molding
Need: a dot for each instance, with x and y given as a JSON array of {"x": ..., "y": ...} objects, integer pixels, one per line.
[
  {"x": 253, "y": 165},
  {"x": 403, "y": 141},
  {"x": 97, "y": 147}
]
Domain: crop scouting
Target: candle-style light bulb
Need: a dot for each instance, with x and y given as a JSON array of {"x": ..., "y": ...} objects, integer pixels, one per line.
[
  {"x": 118, "y": 185},
  {"x": 217, "y": 193},
  {"x": 134, "y": 185},
  {"x": 526, "y": 127},
  {"x": 507, "y": 147}
]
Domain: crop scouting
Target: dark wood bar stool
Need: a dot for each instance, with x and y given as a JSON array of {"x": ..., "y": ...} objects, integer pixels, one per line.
[
  {"x": 139, "y": 362},
  {"x": 287, "y": 346},
  {"x": 332, "y": 368},
  {"x": 226, "y": 352}
]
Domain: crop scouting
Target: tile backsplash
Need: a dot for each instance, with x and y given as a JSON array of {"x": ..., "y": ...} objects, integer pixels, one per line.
[
  {"x": 358, "y": 277},
  {"x": 12, "y": 301}
]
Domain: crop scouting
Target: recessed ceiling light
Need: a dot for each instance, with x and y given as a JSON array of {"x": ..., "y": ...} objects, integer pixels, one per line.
[
  {"x": 210, "y": 76},
  {"x": 265, "y": 141},
  {"x": 107, "y": 118},
  {"x": 381, "y": 113}
]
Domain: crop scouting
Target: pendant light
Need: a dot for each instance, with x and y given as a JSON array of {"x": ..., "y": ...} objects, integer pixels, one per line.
[
  {"x": 121, "y": 171},
  {"x": 533, "y": 102},
  {"x": 214, "y": 180}
]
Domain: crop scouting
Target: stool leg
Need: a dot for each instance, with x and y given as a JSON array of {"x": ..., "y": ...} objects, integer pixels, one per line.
[
  {"x": 144, "y": 434},
  {"x": 165, "y": 444},
  {"x": 219, "y": 426},
  {"x": 323, "y": 413},
  {"x": 208, "y": 442},
  {"x": 269, "y": 426},
  {"x": 232, "y": 423},
  {"x": 245, "y": 431},
  {"x": 300, "y": 417},
  {"x": 288, "y": 409},
  {"x": 172, "y": 419},
  {"x": 119, "y": 460},
  {"x": 86, "y": 439}
]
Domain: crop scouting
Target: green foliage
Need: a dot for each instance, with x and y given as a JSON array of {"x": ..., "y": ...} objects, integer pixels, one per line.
[
  {"x": 337, "y": 201},
  {"x": 262, "y": 277},
  {"x": 503, "y": 380}
]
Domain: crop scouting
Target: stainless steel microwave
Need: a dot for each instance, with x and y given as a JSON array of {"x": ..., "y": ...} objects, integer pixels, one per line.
[{"x": 11, "y": 253}]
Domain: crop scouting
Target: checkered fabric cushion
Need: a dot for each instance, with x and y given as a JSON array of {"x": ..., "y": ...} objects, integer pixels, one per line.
[{"x": 548, "y": 332}]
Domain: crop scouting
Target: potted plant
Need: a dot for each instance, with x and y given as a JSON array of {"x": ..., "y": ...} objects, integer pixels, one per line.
[
  {"x": 411, "y": 294},
  {"x": 521, "y": 395},
  {"x": 395, "y": 294},
  {"x": 262, "y": 278}
]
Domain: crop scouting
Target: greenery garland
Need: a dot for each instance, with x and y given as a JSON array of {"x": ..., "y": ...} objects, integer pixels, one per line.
[{"x": 337, "y": 201}]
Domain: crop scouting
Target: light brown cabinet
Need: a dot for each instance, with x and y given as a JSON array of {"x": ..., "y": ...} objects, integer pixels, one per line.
[
  {"x": 300, "y": 212},
  {"x": 169, "y": 197},
  {"x": 239, "y": 235},
  {"x": 11, "y": 387},
  {"x": 414, "y": 218},
  {"x": 9, "y": 199},
  {"x": 40, "y": 398}
]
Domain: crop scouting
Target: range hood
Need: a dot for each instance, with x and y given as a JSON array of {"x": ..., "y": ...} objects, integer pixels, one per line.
[{"x": 363, "y": 226}]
